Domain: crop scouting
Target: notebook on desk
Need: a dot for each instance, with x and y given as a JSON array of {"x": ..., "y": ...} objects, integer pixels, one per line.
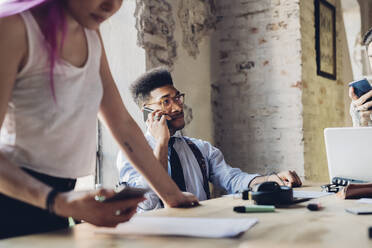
[{"x": 349, "y": 152}]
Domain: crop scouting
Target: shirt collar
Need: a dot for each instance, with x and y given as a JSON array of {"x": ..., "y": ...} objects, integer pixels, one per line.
[{"x": 149, "y": 137}]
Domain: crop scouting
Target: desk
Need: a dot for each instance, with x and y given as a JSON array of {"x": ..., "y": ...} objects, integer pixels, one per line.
[{"x": 290, "y": 227}]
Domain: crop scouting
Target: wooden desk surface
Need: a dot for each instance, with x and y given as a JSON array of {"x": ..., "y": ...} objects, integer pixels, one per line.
[{"x": 295, "y": 226}]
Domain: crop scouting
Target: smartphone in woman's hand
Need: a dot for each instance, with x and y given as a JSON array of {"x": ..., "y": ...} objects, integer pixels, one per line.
[
  {"x": 127, "y": 193},
  {"x": 361, "y": 87}
]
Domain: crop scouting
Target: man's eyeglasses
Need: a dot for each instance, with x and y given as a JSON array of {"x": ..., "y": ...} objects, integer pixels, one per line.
[{"x": 166, "y": 102}]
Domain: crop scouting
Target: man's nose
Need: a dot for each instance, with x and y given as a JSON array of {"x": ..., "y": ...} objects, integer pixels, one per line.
[{"x": 176, "y": 107}]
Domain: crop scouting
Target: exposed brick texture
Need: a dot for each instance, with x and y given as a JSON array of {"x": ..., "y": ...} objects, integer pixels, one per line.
[
  {"x": 256, "y": 91},
  {"x": 155, "y": 25},
  {"x": 197, "y": 19}
]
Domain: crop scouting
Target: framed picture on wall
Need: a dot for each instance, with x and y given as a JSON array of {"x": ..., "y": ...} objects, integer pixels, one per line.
[{"x": 325, "y": 38}]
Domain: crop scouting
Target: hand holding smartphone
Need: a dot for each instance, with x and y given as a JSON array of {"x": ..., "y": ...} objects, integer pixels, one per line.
[
  {"x": 147, "y": 111},
  {"x": 361, "y": 87},
  {"x": 127, "y": 193}
]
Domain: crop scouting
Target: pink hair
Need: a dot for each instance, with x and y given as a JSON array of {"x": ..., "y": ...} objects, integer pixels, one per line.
[{"x": 54, "y": 22}]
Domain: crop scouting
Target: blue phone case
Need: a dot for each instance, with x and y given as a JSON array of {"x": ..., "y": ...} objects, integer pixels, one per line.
[{"x": 361, "y": 87}]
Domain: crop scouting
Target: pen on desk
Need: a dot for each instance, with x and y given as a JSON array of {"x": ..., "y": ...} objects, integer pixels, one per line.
[{"x": 254, "y": 208}]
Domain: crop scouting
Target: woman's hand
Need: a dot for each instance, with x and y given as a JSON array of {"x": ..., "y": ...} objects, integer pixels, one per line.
[
  {"x": 361, "y": 106},
  {"x": 88, "y": 206}
]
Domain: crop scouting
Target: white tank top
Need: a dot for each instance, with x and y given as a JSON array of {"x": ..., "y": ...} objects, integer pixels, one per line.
[{"x": 55, "y": 138}]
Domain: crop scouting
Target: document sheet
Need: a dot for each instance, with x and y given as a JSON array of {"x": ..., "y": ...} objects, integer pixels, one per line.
[
  {"x": 181, "y": 226},
  {"x": 365, "y": 200},
  {"x": 309, "y": 194}
]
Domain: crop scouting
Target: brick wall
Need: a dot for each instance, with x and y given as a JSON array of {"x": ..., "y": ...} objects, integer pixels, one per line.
[{"x": 256, "y": 87}]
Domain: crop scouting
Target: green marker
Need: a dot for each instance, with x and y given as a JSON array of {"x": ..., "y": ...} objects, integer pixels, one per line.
[{"x": 254, "y": 208}]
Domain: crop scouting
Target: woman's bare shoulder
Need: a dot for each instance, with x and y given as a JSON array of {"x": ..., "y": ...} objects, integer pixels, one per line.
[
  {"x": 13, "y": 40},
  {"x": 14, "y": 30}
]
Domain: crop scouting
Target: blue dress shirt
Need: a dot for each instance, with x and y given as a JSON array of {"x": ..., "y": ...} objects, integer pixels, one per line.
[{"x": 219, "y": 173}]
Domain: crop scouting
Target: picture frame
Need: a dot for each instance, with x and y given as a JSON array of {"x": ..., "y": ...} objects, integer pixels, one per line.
[{"x": 325, "y": 37}]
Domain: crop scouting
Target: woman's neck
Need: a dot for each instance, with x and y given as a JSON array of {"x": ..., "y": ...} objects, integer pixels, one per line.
[
  {"x": 40, "y": 14},
  {"x": 72, "y": 25}
]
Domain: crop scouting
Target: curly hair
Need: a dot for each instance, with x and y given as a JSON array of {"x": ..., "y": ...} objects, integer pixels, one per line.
[{"x": 149, "y": 81}]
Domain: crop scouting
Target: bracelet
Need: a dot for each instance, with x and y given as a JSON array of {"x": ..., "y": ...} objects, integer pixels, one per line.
[{"x": 50, "y": 200}]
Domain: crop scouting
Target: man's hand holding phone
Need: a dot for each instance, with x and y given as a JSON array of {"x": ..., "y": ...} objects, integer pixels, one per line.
[{"x": 157, "y": 126}]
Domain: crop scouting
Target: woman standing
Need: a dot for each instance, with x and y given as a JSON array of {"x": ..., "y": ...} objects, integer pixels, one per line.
[{"x": 54, "y": 79}]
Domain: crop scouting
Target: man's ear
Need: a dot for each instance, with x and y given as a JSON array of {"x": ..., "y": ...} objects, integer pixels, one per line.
[{"x": 143, "y": 105}]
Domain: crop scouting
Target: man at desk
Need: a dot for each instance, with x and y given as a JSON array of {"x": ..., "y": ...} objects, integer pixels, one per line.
[{"x": 192, "y": 163}]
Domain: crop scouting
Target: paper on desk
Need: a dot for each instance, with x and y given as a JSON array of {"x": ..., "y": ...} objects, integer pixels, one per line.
[
  {"x": 194, "y": 227},
  {"x": 309, "y": 194},
  {"x": 365, "y": 200}
]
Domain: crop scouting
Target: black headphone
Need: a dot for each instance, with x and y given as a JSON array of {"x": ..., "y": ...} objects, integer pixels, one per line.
[{"x": 270, "y": 193}]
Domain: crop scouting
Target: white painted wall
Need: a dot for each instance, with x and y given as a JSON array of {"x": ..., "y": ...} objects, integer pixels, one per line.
[
  {"x": 127, "y": 62},
  {"x": 193, "y": 77},
  {"x": 352, "y": 22}
]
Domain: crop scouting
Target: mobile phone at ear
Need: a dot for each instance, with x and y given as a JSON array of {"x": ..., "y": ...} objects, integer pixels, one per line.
[
  {"x": 361, "y": 87},
  {"x": 146, "y": 112}
]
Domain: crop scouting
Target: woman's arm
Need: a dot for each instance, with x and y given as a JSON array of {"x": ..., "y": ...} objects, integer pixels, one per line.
[
  {"x": 133, "y": 143},
  {"x": 13, "y": 50},
  {"x": 14, "y": 182}
]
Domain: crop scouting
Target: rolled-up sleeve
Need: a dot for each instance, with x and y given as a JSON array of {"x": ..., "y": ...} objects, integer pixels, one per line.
[
  {"x": 355, "y": 116},
  {"x": 131, "y": 177},
  {"x": 220, "y": 173}
]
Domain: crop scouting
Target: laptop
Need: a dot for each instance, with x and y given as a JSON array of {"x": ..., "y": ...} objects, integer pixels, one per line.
[{"x": 349, "y": 152}]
